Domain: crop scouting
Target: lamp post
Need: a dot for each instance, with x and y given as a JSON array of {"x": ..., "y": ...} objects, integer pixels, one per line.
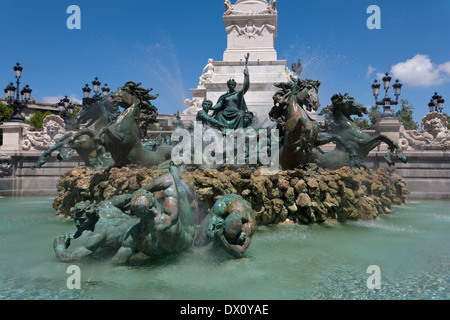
[
  {"x": 105, "y": 90},
  {"x": 96, "y": 84},
  {"x": 436, "y": 103},
  {"x": 65, "y": 108},
  {"x": 15, "y": 98},
  {"x": 86, "y": 91},
  {"x": 96, "y": 88},
  {"x": 387, "y": 102}
]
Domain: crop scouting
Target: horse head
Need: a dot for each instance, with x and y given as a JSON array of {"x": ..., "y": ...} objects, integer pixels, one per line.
[
  {"x": 124, "y": 96},
  {"x": 347, "y": 105},
  {"x": 307, "y": 95},
  {"x": 131, "y": 94},
  {"x": 296, "y": 92}
]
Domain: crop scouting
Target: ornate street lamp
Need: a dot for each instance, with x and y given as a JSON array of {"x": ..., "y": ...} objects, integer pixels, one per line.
[
  {"x": 431, "y": 106},
  {"x": 26, "y": 93},
  {"x": 397, "y": 89},
  {"x": 12, "y": 95},
  {"x": 387, "y": 102},
  {"x": 65, "y": 108},
  {"x": 18, "y": 71},
  {"x": 376, "y": 88},
  {"x": 86, "y": 91},
  {"x": 96, "y": 85},
  {"x": 96, "y": 88},
  {"x": 10, "y": 91},
  {"x": 386, "y": 81},
  {"x": 67, "y": 105},
  {"x": 60, "y": 106},
  {"x": 435, "y": 98},
  {"x": 436, "y": 103},
  {"x": 441, "y": 104},
  {"x": 106, "y": 90}
]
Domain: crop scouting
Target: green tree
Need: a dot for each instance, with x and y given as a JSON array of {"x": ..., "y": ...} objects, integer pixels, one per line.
[
  {"x": 448, "y": 120},
  {"x": 405, "y": 115},
  {"x": 164, "y": 125},
  {"x": 374, "y": 115},
  {"x": 73, "y": 119},
  {"x": 362, "y": 123},
  {"x": 5, "y": 114},
  {"x": 153, "y": 127},
  {"x": 37, "y": 120}
]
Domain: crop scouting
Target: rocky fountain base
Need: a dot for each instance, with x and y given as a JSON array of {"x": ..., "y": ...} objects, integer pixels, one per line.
[{"x": 294, "y": 196}]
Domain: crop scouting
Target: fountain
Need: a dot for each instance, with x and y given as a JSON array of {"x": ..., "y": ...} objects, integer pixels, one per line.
[
  {"x": 193, "y": 225},
  {"x": 229, "y": 200}
]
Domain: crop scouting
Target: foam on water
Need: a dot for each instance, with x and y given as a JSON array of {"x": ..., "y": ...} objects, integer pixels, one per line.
[
  {"x": 329, "y": 261},
  {"x": 377, "y": 224}
]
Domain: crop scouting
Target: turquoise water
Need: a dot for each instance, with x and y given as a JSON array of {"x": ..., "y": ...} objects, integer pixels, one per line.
[{"x": 411, "y": 247}]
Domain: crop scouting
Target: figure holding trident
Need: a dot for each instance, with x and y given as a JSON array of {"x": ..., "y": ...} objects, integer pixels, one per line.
[{"x": 231, "y": 109}]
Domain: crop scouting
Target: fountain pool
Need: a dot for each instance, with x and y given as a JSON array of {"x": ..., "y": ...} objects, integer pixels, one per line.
[{"x": 411, "y": 247}]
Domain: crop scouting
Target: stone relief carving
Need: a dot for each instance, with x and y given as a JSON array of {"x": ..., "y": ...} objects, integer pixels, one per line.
[
  {"x": 273, "y": 6},
  {"x": 433, "y": 136},
  {"x": 230, "y": 9},
  {"x": 206, "y": 76},
  {"x": 250, "y": 30},
  {"x": 6, "y": 167},
  {"x": 195, "y": 106},
  {"x": 53, "y": 130}
]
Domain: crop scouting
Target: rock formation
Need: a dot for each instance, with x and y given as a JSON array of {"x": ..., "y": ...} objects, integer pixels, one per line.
[{"x": 301, "y": 196}]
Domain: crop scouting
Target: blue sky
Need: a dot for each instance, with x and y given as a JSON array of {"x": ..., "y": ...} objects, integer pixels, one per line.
[{"x": 166, "y": 44}]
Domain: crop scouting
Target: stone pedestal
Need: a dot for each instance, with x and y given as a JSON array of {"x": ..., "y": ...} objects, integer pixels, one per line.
[
  {"x": 12, "y": 135},
  {"x": 390, "y": 128},
  {"x": 251, "y": 26}
]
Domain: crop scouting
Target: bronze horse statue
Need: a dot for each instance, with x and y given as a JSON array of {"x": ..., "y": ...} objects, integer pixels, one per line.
[
  {"x": 338, "y": 121},
  {"x": 299, "y": 133},
  {"x": 99, "y": 112},
  {"x": 293, "y": 121},
  {"x": 303, "y": 136},
  {"x": 122, "y": 139}
]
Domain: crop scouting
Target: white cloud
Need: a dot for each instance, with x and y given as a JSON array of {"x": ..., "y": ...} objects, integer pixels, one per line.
[
  {"x": 380, "y": 75},
  {"x": 370, "y": 70},
  {"x": 421, "y": 72},
  {"x": 445, "y": 67},
  {"x": 56, "y": 99}
]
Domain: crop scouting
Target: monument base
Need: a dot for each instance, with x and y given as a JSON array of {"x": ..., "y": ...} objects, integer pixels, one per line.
[
  {"x": 389, "y": 128},
  {"x": 12, "y": 135}
]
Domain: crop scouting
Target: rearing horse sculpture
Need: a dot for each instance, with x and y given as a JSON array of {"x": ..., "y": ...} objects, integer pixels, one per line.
[
  {"x": 292, "y": 119},
  {"x": 99, "y": 112},
  {"x": 302, "y": 136},
  {"x": 122, "y": 139},
  {"x": 338, "y": 121}
]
